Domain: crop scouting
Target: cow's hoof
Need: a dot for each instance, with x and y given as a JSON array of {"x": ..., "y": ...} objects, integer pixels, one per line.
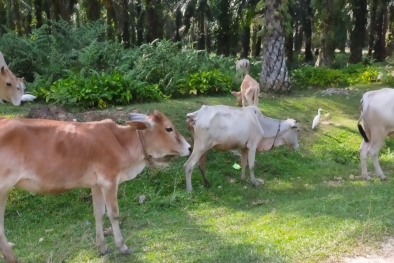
[
  {"x": 383, "y": 178},
  {"x": 207, "y": 184},
  {"x": 126, "y": 252},
  {"x": 367, "y": 178},
  {"x": 108, "y": 251}
]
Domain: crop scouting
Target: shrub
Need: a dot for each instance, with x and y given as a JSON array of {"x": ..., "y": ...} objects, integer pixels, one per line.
[
  {"x": 206, "y": 82},
  {"x": 100, "y": 90},
  {"x": 318, "y": 77}
]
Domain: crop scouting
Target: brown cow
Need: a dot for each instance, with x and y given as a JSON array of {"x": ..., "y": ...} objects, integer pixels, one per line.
[
  {"x": 249, "y": 92},
  {"x": 46, "y": 156},
  {"x": 9, "y": 87}
]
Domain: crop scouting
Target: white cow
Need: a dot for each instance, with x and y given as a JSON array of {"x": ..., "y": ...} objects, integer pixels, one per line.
[
  {"x": 227, "y": 128},
  {"x": 377, "y": 115},
  {"x": 242, "y": 67}
]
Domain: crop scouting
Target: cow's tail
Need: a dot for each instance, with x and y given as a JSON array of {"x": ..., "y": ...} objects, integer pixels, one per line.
[{"x": 363, "y": 103}]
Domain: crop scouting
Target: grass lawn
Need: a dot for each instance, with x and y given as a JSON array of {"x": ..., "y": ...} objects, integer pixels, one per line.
[{"x": 301, "y": 214}]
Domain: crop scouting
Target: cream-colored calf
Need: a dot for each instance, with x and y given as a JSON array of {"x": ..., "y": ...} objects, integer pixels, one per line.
[{"x": 249, "y": 92}]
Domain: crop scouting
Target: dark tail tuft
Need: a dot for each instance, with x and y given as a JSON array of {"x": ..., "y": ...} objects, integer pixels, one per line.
[{"x": 362, "y": 132}]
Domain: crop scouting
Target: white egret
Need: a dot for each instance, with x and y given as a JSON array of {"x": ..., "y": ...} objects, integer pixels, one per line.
[{"x": 316, "y": 119}]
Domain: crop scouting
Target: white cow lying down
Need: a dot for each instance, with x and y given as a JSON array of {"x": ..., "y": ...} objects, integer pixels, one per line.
[
  {"x": 227, "y": 128},
  {"x": 377, "y": 115}
]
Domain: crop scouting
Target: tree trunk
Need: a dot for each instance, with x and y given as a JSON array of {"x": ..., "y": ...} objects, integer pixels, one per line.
[
  {"x": 178, "y": 24},
  {"x": 274, "y": 76},
  {"x": 298, "y": 37},
  {"x": 17, "y": 16},
  {"x": 3, "y": 17},
  {"x": 110, "y": 20},
  {"x": 223, "y": 32},
  {"x": 201, "y": 31},
  {"x": 93, "y": 9},
  {"x": 358, "y": 33},
  {"x": 154, "y": 20},
  {"x": 126, "y": 24},
  {"x": 372, "y": 27},
  {"x": 245, "y": 42},
  {"x": 257, "y": 49},
  {"x": 308, "y": 32},
  {"x": 28, "y": 19},
  {"x": 38, "y": 12},
  {"x": 63, "y": 9},
  {"x": 326, "y": 55},
  {"x": 140, "y": 22},
  {"x": 380, "y": 43},
  {"x": 10, "y": 16}
]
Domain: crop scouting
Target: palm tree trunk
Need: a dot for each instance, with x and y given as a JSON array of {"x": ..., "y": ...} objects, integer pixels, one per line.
[
  {"x": 326, "y": 55},
  {"x": 274, "y": 75},
  {"x": 308, "y": 32},
  {"x": 380, "y": 43},
  {"x": 93, "y": 9},
  {"x": 357, "y": 36},
  {"x": 372, "y": 26}
]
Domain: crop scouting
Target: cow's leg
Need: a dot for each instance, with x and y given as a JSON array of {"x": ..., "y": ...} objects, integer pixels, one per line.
[
  {"x": 251, "y": 157},
  {"x": 244, "y": 100},
  {"x": 5, "y": 247},
  {"x": 111, "y": 202},
  {"x": 363, "y": 159},
  {"x": 250, "y": 99},
  {"x": 190, "y": 163},
  {"x": 1, "y": 101},
  {"x": 201, "y": 165},
  {"x": 374, "y": 149},
  {"x": 99, "y": 211},
  {"x": 244, "y": 159}
]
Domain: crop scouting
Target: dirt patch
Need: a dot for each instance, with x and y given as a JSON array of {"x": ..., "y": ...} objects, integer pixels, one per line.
[
  {"x": 59, "y": 113},
  {"x": 385, "y": 254},
  {"x": 330, "y": 91}
]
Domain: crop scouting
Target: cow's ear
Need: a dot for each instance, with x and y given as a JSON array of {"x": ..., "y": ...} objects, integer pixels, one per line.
[
  {"x": 294, "y": 124},
  {"x": 157, "y": 116},
  {"x": 140, "y": 125}
]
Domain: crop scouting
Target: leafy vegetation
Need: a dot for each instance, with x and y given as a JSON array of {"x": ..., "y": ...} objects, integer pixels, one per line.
[
  {"x": 301, "y": 214},
  {"x": 353, "y": 74}
]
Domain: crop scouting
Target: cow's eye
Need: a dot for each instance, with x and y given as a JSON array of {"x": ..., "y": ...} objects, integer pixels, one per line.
[
  {"x": 169, "y": 129},
  {"x": 18, "y": 88},
  {"x": 9, "y": 84}
]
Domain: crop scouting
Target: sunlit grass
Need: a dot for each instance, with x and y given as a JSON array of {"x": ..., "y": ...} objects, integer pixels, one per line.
[{"x": 301, "y": 213}]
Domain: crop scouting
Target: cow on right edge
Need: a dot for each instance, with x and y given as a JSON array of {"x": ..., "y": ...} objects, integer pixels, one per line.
[{"x": 377, "y": 115}]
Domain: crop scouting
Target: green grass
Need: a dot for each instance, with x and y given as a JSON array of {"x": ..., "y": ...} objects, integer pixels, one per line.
[{"x": 305, "y": 215}]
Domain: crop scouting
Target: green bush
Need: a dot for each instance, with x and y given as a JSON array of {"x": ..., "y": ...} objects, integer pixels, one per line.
[
  {"x": 100, "y": 90},
  {"x": 206, "y": 82},
  {"x": 309, "y": 76}
]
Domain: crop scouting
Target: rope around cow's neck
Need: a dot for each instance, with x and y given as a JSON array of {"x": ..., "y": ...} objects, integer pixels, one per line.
[
  {"x": 147, "y": 157},
  {"x": 273, "y": 144}
]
